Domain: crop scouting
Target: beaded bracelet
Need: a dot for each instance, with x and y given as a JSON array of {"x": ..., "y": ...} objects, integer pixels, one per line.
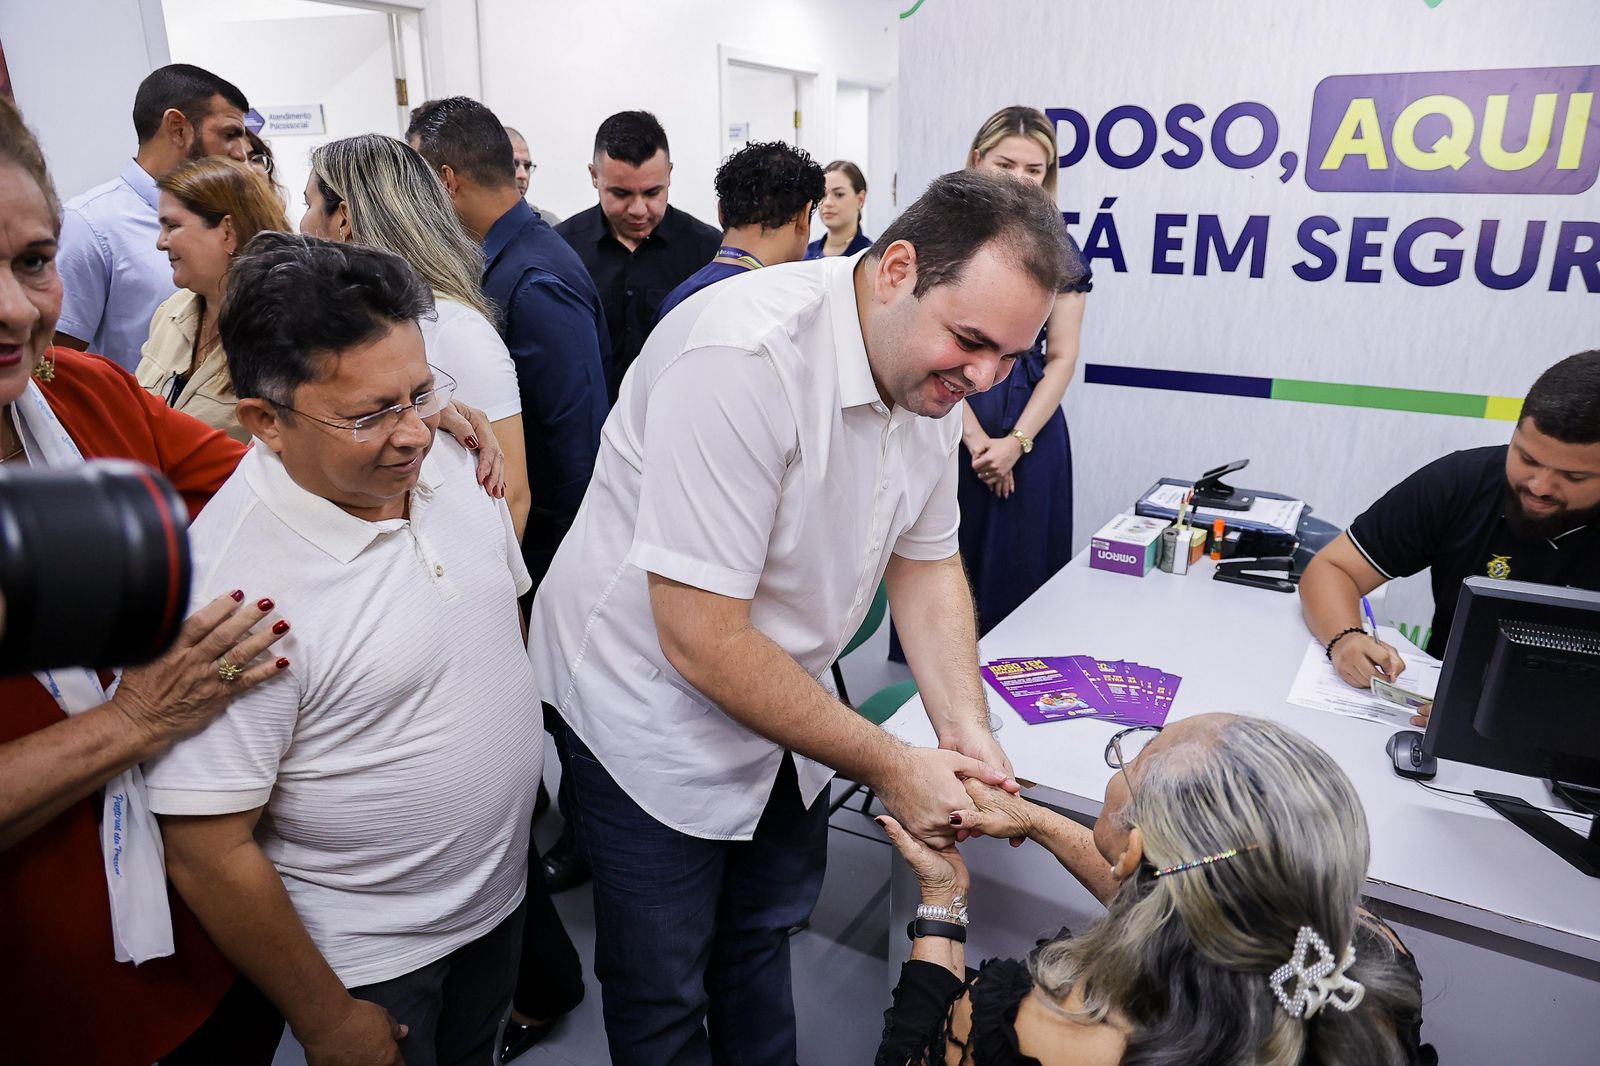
[{"x": 1337, "y": 637}]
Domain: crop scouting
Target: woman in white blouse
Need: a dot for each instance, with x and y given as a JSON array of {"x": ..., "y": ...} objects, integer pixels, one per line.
[{"x": 376, "y": 190}]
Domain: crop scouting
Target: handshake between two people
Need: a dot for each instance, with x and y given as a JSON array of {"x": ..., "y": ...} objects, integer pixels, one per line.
[{"x": 942, "y": 795}]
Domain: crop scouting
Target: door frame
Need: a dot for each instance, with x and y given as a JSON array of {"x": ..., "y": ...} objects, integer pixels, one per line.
[{"x": 814, "y": 92}]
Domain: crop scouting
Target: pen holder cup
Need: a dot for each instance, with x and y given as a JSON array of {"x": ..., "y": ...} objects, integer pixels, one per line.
[{"x": 1197, "y": 544}]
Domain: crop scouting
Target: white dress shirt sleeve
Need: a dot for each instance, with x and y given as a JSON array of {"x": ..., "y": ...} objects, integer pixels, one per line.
[
  {"x": 232, "y": 764},
  {"x": 718, "y": 438},
  {"x": 933, "y": 536},
  {"x": 84, "y": 264}
]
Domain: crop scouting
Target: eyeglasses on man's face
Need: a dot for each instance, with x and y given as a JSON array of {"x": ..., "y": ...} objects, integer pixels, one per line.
[{"x": 379, "y": 424}]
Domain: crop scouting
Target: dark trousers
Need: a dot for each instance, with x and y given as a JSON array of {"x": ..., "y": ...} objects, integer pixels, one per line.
[
  {"x": 455, "y": 1007},
  {"x": 692, "y": 934},
  {"x": 550, "y": 976}
]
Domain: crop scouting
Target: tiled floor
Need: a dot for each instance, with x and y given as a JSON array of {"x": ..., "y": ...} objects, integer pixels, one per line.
[{"x": 840, "y": 962}]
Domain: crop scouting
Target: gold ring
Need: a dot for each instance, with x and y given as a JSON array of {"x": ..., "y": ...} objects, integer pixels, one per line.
[{"x": 228, "y": 672}]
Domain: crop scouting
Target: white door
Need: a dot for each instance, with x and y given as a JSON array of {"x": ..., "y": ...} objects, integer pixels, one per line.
[
  {"x": 326, "y": 70},
  {"x": 762, "y": 104}
]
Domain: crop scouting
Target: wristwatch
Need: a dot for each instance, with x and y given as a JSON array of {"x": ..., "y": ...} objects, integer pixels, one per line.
[
  {"x": 1024, "y": 440},
  {"x": 919, "y": 927}
]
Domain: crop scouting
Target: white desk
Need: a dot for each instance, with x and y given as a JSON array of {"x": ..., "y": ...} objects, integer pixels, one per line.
[{"x": 1449, "y": 867}]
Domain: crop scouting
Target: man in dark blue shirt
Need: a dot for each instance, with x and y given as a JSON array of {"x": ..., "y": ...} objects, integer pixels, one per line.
[
  {"x": 556, "y": 331},
  {"x": 553, "y": 321},
  {"x": 635, "y": 245},
  {"x": 766, "y": 192}
]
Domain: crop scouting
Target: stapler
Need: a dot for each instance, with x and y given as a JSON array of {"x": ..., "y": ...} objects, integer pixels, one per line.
[{"x": 1275, "y": 572}]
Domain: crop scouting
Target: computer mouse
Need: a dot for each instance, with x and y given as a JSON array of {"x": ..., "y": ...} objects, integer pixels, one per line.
[{"x": 1405, "y": 748}]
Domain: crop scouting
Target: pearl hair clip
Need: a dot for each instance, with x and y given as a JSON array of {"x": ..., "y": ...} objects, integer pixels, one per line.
[{"x": 1318, "y": 984}]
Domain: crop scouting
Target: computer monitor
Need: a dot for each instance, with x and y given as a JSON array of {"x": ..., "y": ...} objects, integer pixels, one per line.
[{"x": 1520, "y": 692}]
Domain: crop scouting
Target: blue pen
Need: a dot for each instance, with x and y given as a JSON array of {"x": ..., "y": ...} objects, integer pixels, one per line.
[{"x": 1372, "y": 623}]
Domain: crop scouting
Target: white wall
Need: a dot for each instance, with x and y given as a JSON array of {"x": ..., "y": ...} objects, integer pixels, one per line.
[
  {"x": 554, "y": 70},
  {"x": 74, "y": 67}
]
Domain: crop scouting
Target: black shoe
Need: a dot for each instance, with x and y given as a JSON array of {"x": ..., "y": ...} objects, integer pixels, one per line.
[
  {"x": 564, "y": 868},
  {"x": 519, "y": 1038}
]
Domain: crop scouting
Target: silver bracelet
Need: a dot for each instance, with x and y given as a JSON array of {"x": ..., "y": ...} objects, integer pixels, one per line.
[{"x": 955, "y": 911}]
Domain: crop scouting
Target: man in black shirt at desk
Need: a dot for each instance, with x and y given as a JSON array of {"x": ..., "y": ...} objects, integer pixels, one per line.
[
  {"x": 1529, "y": 511},
  {"x": 636, "y": 246}
]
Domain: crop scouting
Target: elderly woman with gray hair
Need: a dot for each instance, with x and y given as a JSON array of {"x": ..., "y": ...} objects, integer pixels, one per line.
[{"x": 1230, "y": 854}]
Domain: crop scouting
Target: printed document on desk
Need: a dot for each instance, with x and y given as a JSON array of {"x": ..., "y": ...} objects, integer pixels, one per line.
[
  {"x": 1277, "y": 514},
  {"x": 1319, "y": 686}
]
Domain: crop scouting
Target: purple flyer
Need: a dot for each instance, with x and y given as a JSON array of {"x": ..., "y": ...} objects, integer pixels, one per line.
[
  {"x": 1042, "y": 691},
  {"x": 1059, "y": 688}
]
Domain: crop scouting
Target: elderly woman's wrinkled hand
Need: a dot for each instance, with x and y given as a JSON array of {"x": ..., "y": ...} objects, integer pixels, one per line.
[
  {"x": 994, "y": 813},
  {"x": 942, "y": 874},
  {"x": 214, "y": 659}
]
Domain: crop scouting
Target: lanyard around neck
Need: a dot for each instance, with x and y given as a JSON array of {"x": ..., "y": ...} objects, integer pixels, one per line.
[{"x": 738, "y": 257}]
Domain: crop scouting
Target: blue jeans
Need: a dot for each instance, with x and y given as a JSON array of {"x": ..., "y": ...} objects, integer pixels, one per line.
[{"x": 692, "y": 934}]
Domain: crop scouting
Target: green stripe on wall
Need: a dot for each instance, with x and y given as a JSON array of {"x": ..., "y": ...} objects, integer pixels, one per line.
[{"x": 1421, "y": 400}]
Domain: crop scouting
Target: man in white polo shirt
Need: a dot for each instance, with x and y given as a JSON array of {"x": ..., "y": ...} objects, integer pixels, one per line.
[
  {"x": 378, "y": 902},
  {"x": 785, "y": 441}
]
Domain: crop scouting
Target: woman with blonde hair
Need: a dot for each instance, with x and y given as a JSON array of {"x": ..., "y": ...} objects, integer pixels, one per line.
[
  {"x": 209, "y": 210},
  {"x": 1231, "y": 854},
  {"x": 378, "y": 191}
]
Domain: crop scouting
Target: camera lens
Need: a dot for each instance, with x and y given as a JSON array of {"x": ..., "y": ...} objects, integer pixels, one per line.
[{"x": 94, "y": 566}]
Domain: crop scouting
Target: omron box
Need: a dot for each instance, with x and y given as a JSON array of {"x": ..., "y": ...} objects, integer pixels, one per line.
[{"x": 1128, "y": 544}]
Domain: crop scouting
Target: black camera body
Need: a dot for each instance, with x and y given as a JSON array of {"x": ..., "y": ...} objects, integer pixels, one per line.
[{"x": 94, "y": 566}]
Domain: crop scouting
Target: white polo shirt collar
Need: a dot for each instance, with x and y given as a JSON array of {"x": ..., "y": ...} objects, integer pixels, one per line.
[{"x": 329, "y": 527}]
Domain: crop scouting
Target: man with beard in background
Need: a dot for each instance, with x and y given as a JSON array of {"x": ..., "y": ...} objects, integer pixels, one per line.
[{"x": 1527, "y": 511}]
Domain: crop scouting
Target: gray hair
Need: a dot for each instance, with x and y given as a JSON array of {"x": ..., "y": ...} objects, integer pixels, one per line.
[
  {"x": 1186, "y": 956},
  {"x": 396, "y": 202}
]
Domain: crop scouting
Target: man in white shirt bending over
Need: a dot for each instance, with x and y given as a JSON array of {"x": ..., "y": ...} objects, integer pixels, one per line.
[
  {"x": 784, "y": 442},
  {"x": 378, "y": 903}
]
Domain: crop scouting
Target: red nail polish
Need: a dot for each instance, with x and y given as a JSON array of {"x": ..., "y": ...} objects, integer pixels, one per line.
[
  {"x": 955, "y": 819},
  {"x": 282, "y": 664},
  {"x": 280, "y": 627},
  {"x": 264, "y": 605},
  {"x": 471, "y": 441},
  {"x": 238, "y": 595}
]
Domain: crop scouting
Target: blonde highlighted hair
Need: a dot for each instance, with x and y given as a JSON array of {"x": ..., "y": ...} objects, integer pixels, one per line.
[
  {"x": 396, "y": 202},
  {"x": 1019, "y": 121}
]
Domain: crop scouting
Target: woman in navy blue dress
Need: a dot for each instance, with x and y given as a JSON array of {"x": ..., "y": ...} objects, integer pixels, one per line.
[
  {"x": 1016, "y": 459},
  {"x": 840, "y": 211}
]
